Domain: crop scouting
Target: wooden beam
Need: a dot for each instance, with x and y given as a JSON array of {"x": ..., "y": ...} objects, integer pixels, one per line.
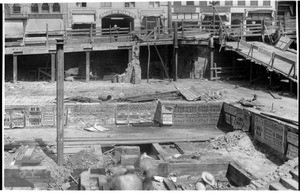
[
  {"x": 251, "y": 72},
  {"x": 15, "y": 68},
  {"x": 53, "y": 59},
  {"x": 87, "y": 67},
  {"x": 175, "y": 51},
  {"x": 162, "y": 62},
  {"x": 211, "y": 58},
  {"x": 170, "y": 17},
  {"x": 129, "y": 54},
  {"x": 148, "y": 64},
  {"x": 60, "y": 101}
]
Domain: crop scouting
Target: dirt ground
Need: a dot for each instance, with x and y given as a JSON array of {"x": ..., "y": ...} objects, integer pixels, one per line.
[
  {"x": 45, "y": 92},
  {"x": 237, "y": 145}
]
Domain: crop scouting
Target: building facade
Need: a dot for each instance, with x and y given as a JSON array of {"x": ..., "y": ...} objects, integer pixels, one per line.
[{"x": 39, "y": 17}]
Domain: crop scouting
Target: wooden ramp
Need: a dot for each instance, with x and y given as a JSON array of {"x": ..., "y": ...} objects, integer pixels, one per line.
[{"x": 282, "y": 62}]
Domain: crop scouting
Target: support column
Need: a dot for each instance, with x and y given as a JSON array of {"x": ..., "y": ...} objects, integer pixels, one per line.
[
  {"x": 211, "y": 65},
  {"x": 175, "y": 77},
  {"x": 15, "y": 68},
  {"x": 87, "y": 61},
  {"x": 169, "y": 17},
  {"x": 251, "y": 71},
  {"x": 53, "y": 59},
  {"x": 129, "y": 55},
  {"x": 60, "y": 101}
]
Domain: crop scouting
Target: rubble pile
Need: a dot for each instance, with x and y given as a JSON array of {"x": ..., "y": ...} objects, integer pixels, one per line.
[
  {"x": 228, "y": 141},
  {"x": 59, "y": 174},
  {"x": 86, "y": 159}
]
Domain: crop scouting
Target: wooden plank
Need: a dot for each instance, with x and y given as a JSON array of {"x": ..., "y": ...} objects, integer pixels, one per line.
[
  {"x": 160, "y": 150},
  {"x": 275, "y": 95}
]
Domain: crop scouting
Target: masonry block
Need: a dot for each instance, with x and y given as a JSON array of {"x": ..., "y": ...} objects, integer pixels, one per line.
[
  {"x": 35, "y": 174},
  {"x": 129, "y": 159},
  {"x": 131, "y": 150},
  {"x": 85, "y": 181}
]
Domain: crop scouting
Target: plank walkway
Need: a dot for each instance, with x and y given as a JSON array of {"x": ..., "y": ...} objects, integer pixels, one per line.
[{"x": 284, "y": 63}]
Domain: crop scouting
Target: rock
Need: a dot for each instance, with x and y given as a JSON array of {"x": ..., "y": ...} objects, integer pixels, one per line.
[
  {"x": 70, "y": 78},
  {"x": 66, "y": 186},
  {"x": 126, "y": 182}
]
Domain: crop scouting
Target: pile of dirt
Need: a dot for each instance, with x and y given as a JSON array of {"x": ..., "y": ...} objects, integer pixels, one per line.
[
  {"x": 228, "y": 141},
  {"x": 59, "y": 174},
  {"x": 86, "y": 159}
]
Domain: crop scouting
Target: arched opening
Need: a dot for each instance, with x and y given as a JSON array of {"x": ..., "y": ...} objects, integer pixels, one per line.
[
  {"x": 120, "y": 20},
  {"x": 56, "y": 7},
  {"x": 34, "y": 8},
  {"x": 45, "y": 8},
  {"x": 16, "y": 8}
]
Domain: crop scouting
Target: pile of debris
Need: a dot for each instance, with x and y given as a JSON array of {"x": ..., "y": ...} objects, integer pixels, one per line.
[
  {"x": 86, "y": 159},
  {"x": 228, "y": 141}
]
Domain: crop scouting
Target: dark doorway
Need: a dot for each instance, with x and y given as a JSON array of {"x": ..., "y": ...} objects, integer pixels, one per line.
[{"x": 120, "y": 20}]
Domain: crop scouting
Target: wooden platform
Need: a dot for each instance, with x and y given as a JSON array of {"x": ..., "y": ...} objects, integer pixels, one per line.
[
  {"x": 272, "y": 58},
  {"x": 76, "y": 141}
]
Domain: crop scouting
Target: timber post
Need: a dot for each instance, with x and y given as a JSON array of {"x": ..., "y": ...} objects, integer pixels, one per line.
[
  {"x": 53, "y": 59},
  {"x": 60, "y": 101},
  {"x": 175, "y": 77},
  {"x": 211, "y": 65},
  {"x": 170, "y": 17},
  {"x": 87, "y": 66}
]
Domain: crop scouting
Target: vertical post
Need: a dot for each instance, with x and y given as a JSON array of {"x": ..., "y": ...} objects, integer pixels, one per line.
[
  {"x": 148, "y": 64},
  {"x": 129, "y": 55},
  {"x": 91, "y": 33},
  {"x": 47, "y": 35},
  {"x": 15, "y": 68},
  {"x": 214, "y": 20},
  {"x": 263, "y": 30},
  {"x": 251, "y": 72},
  {"x": 211, "y": 45},
  {"x": 53, "y": 67},
  {"x": 130, "y": 27},
  {"x": 176, "y": 51},
  {"x": 60, "y": 101},
  {"x": 158, "y": 27},
  {"x": 170, "y": 17},
  {"x": 87, "y": 67},
  {"x": 244, "y": 22}
]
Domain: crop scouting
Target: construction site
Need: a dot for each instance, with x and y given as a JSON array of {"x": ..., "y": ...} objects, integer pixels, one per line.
[{"x": 179, "y": 95}]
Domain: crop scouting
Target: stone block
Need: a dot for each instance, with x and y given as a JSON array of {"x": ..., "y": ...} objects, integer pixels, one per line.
[
  {"x": 85, "y": 181},
  {"x": 131, "y": 150},
  {"x": 130, "y": 169},
  {"x": 129, "y": 159},
  {"x": 35, "y": 174}
]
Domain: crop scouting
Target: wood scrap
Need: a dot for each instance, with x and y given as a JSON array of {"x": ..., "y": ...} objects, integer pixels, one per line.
[
  {"x": 275, "y": 95},
  {"x": 170, "y": 185}
]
